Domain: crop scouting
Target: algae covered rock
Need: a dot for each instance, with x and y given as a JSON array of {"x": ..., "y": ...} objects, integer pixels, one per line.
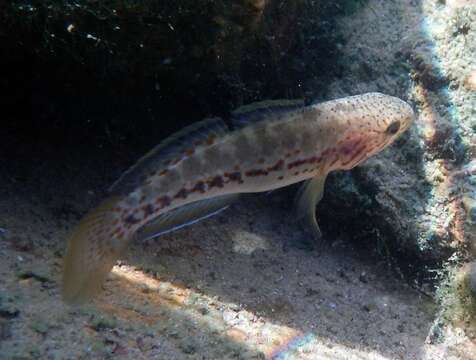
[
  {"x": 457, "y": 296},
  {"x": 413, "y": 204},
  {"x": 110, "y": 68}
]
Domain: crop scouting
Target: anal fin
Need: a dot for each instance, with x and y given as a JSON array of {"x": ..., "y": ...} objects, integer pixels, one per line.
[{"x": 184, "y": 216}]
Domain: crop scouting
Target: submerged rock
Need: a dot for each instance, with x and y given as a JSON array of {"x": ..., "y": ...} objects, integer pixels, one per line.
[
  {"x": 414, "y": 203},
  {"x": 98, "y": 65}
]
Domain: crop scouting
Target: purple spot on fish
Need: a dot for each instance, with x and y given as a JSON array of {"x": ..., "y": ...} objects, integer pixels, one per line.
[
  {"x": 216, "y": 181},
  {"x": 199, "y": 187},
  {"x": 131, "y": 219},
  {"x": 256, "y": 172},
  {"x": 234, "y": 176},
  {"x": 182, "y": 194},
  {"x": 148, "y": 210}
]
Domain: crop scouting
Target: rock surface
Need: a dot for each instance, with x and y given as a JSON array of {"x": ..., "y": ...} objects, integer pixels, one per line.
[
  {"x": 97, "y": 70},
  {"x": 417, "y": 198}
]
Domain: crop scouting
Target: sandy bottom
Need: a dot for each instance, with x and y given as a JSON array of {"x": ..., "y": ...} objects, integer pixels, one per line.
[{"x": 237, "y": 286}]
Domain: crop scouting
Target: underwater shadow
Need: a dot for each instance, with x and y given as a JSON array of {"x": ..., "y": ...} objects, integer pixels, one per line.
[
  {"x": 249, "y": 257},
  {"x": 207, "y": 325}
]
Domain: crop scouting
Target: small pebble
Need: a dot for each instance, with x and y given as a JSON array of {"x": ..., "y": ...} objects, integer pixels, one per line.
[
  {"x": 230, "y": 317},
  {"x": 145, "y": 343},
  {"x": 119, "y": 350},
  {"x": 203, "y": 310},
  {"x": 470, "y": 81},
  {"x": 8, "y": 310},
  {"x": 369, "y": 307},
  {"x": 472, "y": 277},
  {"x": 237, "y": 335},
  {"x": 41, "y": 276},
  {"x": 40, "y": 326},
  {"x": 100, "y": 322},
  {"x": 21, "y": 243},
  {"x": 71, "y": 28},
  {"x": 188, "y": 347}
]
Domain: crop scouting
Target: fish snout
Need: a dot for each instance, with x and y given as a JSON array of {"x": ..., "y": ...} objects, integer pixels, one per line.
[{"x": 408, "y": 116}]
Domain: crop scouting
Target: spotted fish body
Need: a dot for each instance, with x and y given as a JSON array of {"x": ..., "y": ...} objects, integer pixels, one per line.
[{"x": 274, "y": 144}]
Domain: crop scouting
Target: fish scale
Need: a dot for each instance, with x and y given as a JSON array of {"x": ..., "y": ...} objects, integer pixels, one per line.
[{"x": 202, "y": 168}]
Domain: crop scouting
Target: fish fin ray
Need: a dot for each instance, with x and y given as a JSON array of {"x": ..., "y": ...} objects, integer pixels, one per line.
[
  {"x": 184, "y": 216},
  {"x": 308, "y": 196},
  {"x": 90, "y": 254},
  {"x": 261, "y": 110},
  {"x": 168, "y": 149}
]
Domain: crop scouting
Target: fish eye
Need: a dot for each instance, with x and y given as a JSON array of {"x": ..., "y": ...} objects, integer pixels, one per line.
[{"x": 393, "y": 128}]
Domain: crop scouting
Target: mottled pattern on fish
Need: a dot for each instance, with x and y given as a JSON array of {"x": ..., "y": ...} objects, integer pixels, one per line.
[{"x": 275, "y": 145}]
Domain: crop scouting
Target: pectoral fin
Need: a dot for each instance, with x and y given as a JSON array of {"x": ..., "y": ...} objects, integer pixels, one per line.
[{"x": 308, "y": 196}]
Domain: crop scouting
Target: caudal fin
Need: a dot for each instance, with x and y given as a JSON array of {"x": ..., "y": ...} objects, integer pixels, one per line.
[{"x": 91, "y": 253}]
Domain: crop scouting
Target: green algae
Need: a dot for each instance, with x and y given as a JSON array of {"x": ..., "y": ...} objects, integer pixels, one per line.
[{"x": 458, "y": 302}]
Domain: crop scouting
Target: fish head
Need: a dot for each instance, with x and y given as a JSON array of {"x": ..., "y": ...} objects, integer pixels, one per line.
[{"x": 375, "y": 123}]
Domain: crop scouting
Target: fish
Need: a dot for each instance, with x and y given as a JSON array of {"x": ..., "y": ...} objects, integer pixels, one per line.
[{"x": 205, "y": 167}]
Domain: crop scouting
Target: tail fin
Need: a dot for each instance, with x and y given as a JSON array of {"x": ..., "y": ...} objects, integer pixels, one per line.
[{"x": 91, "y": 253}]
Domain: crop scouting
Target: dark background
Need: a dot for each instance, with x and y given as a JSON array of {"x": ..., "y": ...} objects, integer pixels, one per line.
[{"x": 122, "y": 75}]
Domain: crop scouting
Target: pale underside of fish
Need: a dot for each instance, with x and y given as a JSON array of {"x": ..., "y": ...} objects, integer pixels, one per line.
[{"x": 203, "y": 168}]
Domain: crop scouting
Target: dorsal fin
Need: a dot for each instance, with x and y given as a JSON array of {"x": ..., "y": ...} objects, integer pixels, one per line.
[
  {"x": 262, "y": 110},
  {"x": 172, "y": 148}
]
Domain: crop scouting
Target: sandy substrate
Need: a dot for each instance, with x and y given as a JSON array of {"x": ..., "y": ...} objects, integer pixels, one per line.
[{"x": 238, "y": 286}]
